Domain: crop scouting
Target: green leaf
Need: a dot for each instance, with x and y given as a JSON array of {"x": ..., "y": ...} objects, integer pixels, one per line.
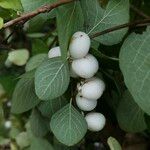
[
  {"x": 37, "y": 22},
  {"x": 135, "y": 66},
  {"x": 24, "y": 97},
  {"x": 129, "y": 114},
  {"x": 11, "y": 4},
  {"x": 1, "y": 22},
  {"x": 39, "y": 125},
  {"x": 51, "y": 79},
  {"x": 60, "y": 146},
  {"x": 35, "y": 61},
  {"x": 38, "y": 46},
  {"x": 49, "y": 107},
  {"x": 68, "y": 125},
  {"x": 68, "y": 23},
  {"x": 40, "y": 144},
  {"x": 22, "y": 140},
  {"x": 5, "y": 13},
  {"x": 113, "y": 144},
  {"x": 98, "y": 19},
  {"x": 9, "y": 82}
]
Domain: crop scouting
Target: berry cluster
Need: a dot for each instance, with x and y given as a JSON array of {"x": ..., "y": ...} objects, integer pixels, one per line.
[{"x": 90, "y": 89}]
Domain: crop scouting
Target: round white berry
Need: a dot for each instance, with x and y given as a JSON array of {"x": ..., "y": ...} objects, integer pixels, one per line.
[
  {"x": 85, "y": 104},
  {"x": 8, "y": 124},
  {"x": 18, "y": 57},
  {"x": 93, "y": 88},
  {"x": 85, "y": 67},
  {"x": 54, "y": 52},
  {"x": 80, "y": 45},
  {"x": 8, "y": 104},
  {"x": 72, "y": 73},
  {"x": 95, "y": 121}
]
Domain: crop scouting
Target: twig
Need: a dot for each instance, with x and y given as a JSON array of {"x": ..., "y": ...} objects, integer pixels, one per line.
[
  {"x": 136, "y": 23},
  {"x": 139, "y": 12},
  {"x": 42, "y": 9}
]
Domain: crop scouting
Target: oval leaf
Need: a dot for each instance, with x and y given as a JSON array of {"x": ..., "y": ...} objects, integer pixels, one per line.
[
  {"x": 98, "y": 19},
  {"x": 11, "y": 4},
  {"x": 40, "y": 144},
  {"x": 51, "y": 79},
  {"x": 113, "y": 144},
  {"x": 39, "y": 125},
  {"x": 129, "y": 114},
  {"x": 68, "y": 125},
  {"x": 48, "y": 108},
  {"x": 35, "y": 61},
  {"x": 24, "y": 97},
  {"x": 68, "y": 23},
  {"x": 135, "y": 66}
]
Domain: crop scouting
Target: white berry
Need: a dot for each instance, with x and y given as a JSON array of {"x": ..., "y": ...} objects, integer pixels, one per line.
[
  {"x": 80, "y": 45},
  {"x": 95, "y": 121},
  {"x": 54, "y": 52},
  {"x": 72, "y": 73},
  {"x": 85, "y": 104},
  {"x": 85, "y": 67},
  {"x": 18, "y": 57},
  {"x": 93, "y": 88},
  {"x": 8, "y": 124}
]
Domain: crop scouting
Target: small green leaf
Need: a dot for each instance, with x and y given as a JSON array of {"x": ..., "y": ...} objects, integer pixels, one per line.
[
  {"x": 38, "y": 46},
  {"x": 98, "y": 19},
  {"x": 135, "y": 66},
  {"x": 1, "y": 22},
  {"x": 113, "y": 144},
  {"x": 48, "y": 108},
  {"x": 35, "y": 61},
  {"x": 39, "y": 125},
  {"x": 11, "y": 4},
  {"x": 24, "y": 97},
  {"x": 23, "y": 140},
  {"x": 68, "y": 23},
  {"x": 9, "y": 82},
  {"x": 68, "y": 125},
  {"x": 60, "y": 146},
  {"x": 51, "y": 79},
  {"x": 40, "y": 144},
  {"x": 5, "y": 13},
  {"x": 129, "y": 114}
]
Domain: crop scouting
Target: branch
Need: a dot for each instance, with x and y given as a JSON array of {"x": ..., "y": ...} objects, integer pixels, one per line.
[
  {"x": 43, "y": 9},
  {"x": 136, "y": 23}
]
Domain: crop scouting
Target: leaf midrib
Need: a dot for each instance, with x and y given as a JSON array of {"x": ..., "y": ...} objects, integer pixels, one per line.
[{"x": 52, "y": 80}]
